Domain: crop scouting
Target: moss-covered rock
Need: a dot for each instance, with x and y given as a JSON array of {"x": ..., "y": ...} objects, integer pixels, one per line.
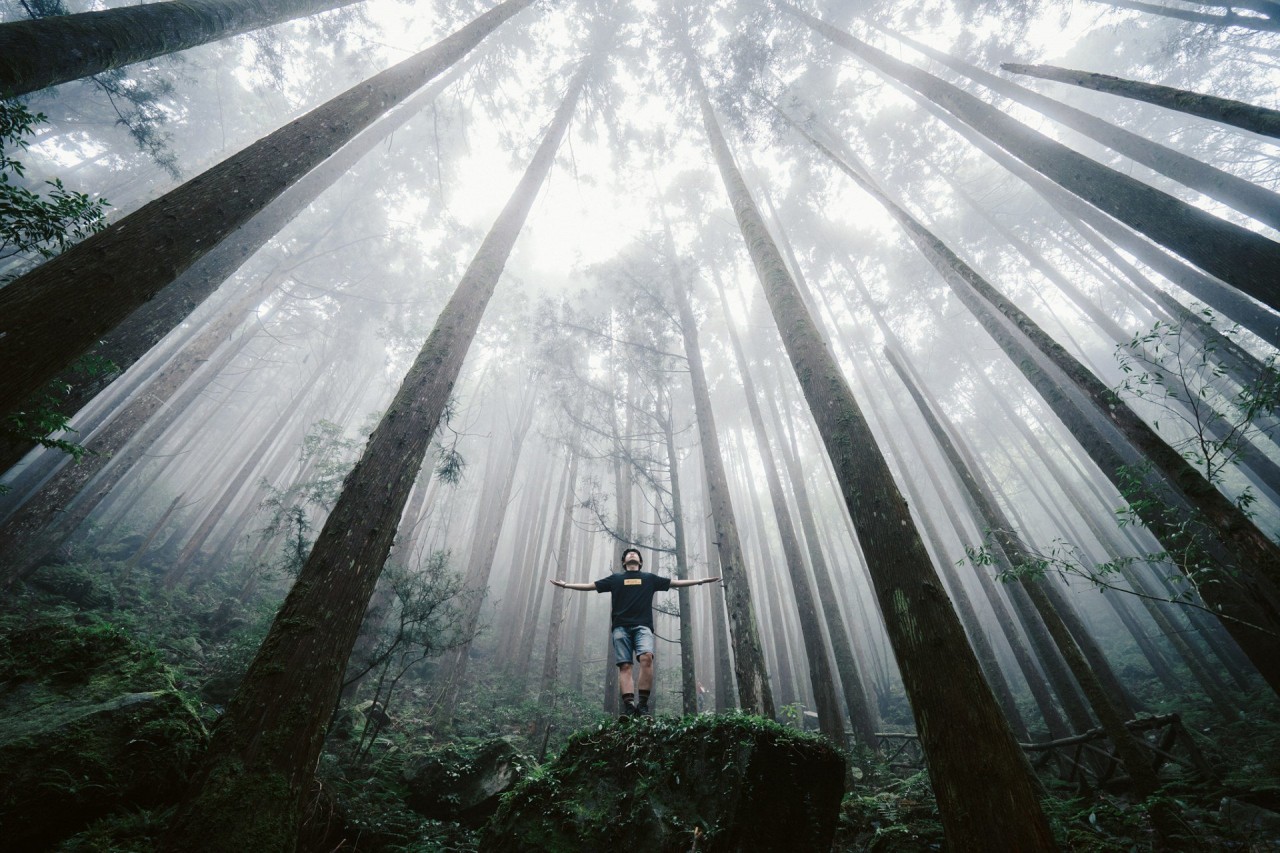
[
  {"x": 90, "y": 722},
  {"x": 726, "y": 783},
  {"x": 463, "y": 783}
]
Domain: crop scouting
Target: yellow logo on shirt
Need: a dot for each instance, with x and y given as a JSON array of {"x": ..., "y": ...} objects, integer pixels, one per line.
[{"x": 633, "y": 581}]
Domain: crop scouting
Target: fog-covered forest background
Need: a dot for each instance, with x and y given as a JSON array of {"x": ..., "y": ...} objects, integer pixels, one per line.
[{"x": 961, "y": 377}]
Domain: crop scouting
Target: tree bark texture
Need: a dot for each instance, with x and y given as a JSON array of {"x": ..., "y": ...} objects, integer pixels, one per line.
[
  {"x": 1230, "y": 19},
  {"x": 153, "y": 320},
  {"x": 754, "y": 695},
  {"x": 247, "y": 792},
  {"x": 53, "y": 314},
  {"x": 688, "y": 674},
  {"x": 1247, "y": 562},
  {"x": 1260, "y": 203},
  {"x": 821, "y": 675},
  {"x": 48, "y": 51},
  {"x": 1249, "y": 117},
  {"x": 962, "y": 731},
  {"x": 1241, "y": 258},
  {"x": 1101, "y": 699}
]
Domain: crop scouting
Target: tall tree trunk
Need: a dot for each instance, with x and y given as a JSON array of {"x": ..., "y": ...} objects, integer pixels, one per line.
[
  {"x": 51, "y": 315},
  {"x": 561, "y": 569},
  {"x": 1250, "y": 117},
  {"x": 1239, "y": 257},
  {"x": 105, "y": 444},
  {"x": 754, "y": 695},
  {"x": 283, "y": 428},
  {"x": 148, "y": 324},
  {"x": 76, "y": 491},
  {"x": 247, "y": 790},
  {"x": 688, "y": 674},
  {"x": 993, "y": 518},
  {"x": 821, "y": 676},
  {"x": 1092, "y": 224},
  {"x": 1230, "y": 19},
  {"x": 964, "y": 606},
  {"x": 1246, "y": 564},
  {"x": 861, "y": 715},
  {"x": 1260, "y": 203},
  {"x": 1158, "y": 610},
  {"x": 719, "y": 625},
  {"x": 496, "y": 495},
  {"x": 940, "y": 672},
  {"x": 515, "y": 615},
  {"x": 52, "y": 50}
]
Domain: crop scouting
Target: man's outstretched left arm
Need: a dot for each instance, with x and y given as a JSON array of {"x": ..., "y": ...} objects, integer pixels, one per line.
[{"x": 693, "y": 581}]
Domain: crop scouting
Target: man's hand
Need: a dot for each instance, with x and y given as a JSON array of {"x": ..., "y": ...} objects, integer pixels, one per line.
[
  {"x": 558, "y": 582},
  {"x": 710, "y": 580}
]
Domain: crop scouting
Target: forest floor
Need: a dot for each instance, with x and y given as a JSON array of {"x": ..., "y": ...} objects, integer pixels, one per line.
[{"x": 74, "y": 647}]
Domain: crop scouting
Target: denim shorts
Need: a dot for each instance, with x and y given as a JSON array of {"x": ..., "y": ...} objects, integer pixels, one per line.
[{"x": 629, "y": 641}]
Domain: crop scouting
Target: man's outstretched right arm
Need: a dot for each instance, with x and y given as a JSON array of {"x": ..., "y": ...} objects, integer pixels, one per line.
[{"x": 585, "y": 587}]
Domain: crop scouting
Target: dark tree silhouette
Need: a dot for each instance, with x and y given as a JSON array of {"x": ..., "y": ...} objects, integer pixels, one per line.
[{"x": 51, "y": 315}]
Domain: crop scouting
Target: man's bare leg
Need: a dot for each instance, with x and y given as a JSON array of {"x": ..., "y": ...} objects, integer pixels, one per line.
[
  {"x": 625, "y": 682},
  {"x": 646, "y": 682},
  {"x": 646, "y": 672}
]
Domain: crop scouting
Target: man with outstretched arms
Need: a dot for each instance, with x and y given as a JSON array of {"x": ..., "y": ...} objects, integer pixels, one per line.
[{"x": 631, "y": 625}]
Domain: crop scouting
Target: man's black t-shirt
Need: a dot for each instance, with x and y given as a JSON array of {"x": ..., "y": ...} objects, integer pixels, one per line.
[{"x": 633, "y": 597}]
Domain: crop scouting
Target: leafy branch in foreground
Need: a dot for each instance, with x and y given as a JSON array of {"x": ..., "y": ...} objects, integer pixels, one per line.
[
  {"x": 33, "y": 226},
  {"x": 1186, "y": 379},
  {"x": 1067, "y": 560}
]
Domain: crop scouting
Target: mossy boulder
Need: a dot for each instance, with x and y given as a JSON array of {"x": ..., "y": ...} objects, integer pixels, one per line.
[
  {"x": 463, "y": 782},
  {"x": 722, "y": 783},
  {"x": 90, "y": 722}
]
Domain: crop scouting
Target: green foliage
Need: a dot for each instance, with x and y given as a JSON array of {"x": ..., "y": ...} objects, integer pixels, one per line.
[
  {"x": 450, "y": 464},
  {"x": 899, "y": 815},
  {"x": 90, "y": 723},
  {"x": 126, "y": 832},
  {"x": 44, "y": 416},
  {"x": 87, "y": 649},
  {"x": 37, "y": 225},
  {"x": 669, "y": 783},
  {"x": 427, "y": 619},
  {"x": 33, "y": 227},
  {"x": 327, "y": 454},
  {"x": 1187, "y": 381}
]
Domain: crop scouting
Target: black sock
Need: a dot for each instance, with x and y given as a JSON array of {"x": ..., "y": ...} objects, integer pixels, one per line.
[
  {"x": 629, "y": 697},
  {"x": 644, "y": 697}
]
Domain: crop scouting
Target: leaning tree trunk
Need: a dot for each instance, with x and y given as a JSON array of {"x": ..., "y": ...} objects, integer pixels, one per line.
[
  {"x": 151, "y": 322},
  {"x": 754, "y": 695},
  {"x": 551, "y": 659},
  {"x": 1250, "y": 117},
  {"x": 54, "y": 313},
  {"x": 21, "y": 540},
  {"x": 48, "y": 51},
  {"x": 993, "y": 518},
  {"x": 1230, "y": 19},
  {"x": 1246, "y": 563},
  {"x": 861, "y": 716},
  {"x": 821, "y": 676},
  {"x": 1260, "y": 203},
  {"x": 688, "y": 676},
  {"x": 1238, "y": 256},
  {"x": 495, "y": 497},
  {"x": 246, "y": 793},
  {"x": 719, "y": 624},
  {"x": 940, "y": 673},
  {"x": 1091, "y": 223}
]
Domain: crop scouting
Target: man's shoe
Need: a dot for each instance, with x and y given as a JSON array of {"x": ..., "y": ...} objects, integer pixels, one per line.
[
  {"x": 642, "y": 709},
  {"x": 629, "y": 709}
]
